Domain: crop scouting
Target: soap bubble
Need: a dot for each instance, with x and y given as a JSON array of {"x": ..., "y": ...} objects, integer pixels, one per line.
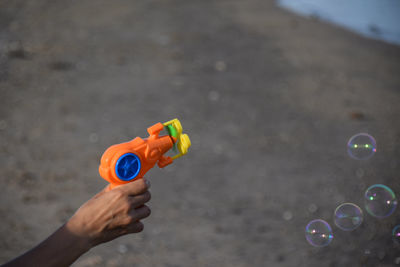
[
  {"x": 361, "y": 146},
  {"x": 396, "y": 234},
  {"x": 312, "y": 208},
  {"x": 348, "y": 216},
  {"x": 319, "y": 233},
  {"x": 220, "y": 66},
  {"x": 287, "y": 215},
  {"x": 380, "y": 201}
]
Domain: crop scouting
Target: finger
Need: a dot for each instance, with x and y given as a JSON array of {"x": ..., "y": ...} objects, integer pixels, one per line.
[
  {"x": 134, "y": 227},
  {"x": 140, "y": 213},
  {"x": 135, "y": 188},
  {"x": 140, "y": 200}
]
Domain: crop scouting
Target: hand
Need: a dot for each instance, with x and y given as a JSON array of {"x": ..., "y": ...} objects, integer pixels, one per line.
[
  {"x": 106, "y": 216},
  {"x": 110, "y": 214}
]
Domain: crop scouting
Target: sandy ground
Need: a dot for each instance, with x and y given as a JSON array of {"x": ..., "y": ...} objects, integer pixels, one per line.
[{"x": 269, "y": 100}]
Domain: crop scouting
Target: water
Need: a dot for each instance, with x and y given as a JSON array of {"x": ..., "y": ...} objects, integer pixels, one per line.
[{"x": 378, "y": 19}]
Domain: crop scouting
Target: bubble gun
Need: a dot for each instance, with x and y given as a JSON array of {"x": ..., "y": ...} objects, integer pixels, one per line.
[{"x": 126, "y": 162}]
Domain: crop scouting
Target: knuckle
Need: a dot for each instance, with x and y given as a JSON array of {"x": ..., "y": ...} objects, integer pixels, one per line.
[
  {"x": 144, "y": 185},
  {"x": 139, "y": 226},
  {"x": 127, "y": 221},
  {"x": 146, "y": 211},
  {"x": 141, "y": 183},
  {"x": 130, "y": 220},
  {"x": 147, "y": 196}
]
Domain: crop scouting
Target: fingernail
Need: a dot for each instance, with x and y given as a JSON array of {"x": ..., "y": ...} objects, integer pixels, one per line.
[{"x": 147, "y": 183}]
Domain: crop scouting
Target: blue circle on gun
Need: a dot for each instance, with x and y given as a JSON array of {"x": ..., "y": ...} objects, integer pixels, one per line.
[{"x": 127, "y": 167}]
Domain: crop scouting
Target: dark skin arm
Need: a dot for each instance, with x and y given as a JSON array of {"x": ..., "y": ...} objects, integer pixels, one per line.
[{"x": 103, "y": 218}]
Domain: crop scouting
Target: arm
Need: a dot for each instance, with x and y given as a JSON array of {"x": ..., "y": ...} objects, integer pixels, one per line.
[{"x": 103, "y": 218}]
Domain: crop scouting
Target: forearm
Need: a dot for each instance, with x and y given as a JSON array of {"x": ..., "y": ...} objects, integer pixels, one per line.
[
  {"x": 62, "y": 248},
  {"x": 106, "y": 216}
]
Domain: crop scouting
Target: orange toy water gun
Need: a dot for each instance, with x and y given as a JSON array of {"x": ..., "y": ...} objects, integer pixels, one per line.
[{"x": 126, "y": 162}]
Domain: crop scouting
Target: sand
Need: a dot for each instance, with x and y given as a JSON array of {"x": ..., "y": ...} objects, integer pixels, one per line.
[{"x": 268, "y": 98}]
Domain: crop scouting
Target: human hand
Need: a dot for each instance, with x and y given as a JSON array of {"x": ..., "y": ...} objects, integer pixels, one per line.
[{"x": 111, "y": 214}]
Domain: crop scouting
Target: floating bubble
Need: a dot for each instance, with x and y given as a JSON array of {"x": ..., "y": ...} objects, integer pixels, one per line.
[
  {"x": 319, "y": 233},
  {"x": 93, "y": 138},
  {"x": 396, "y": 234},
  {"x": 213, "y": 96},
  {"x": 312, "y": 208},
  {"x": 361, "y": 146},
  {"x": 122, "y": 249},
  {"x": 381, "y": 254},
  {"x": 380, "y": 201},
  {"x": 360, "y": 173},
  {"x": 287, "y": 215},
  {"x": 348, "y": 216},
  {"x": 220, "y": 66}
]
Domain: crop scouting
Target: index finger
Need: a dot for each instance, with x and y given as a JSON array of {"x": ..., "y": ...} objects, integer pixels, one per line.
[{"x": 136, "y": 187}]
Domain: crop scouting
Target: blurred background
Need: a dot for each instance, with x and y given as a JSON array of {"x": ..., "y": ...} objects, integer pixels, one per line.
[{"x": 269, "y": 99}]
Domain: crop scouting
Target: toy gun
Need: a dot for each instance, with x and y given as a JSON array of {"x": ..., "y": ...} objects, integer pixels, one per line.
[{"x": 126, "y": 162}]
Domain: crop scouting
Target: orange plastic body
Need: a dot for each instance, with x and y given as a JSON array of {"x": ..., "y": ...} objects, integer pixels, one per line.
[{"x": 149, "y": 150}]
